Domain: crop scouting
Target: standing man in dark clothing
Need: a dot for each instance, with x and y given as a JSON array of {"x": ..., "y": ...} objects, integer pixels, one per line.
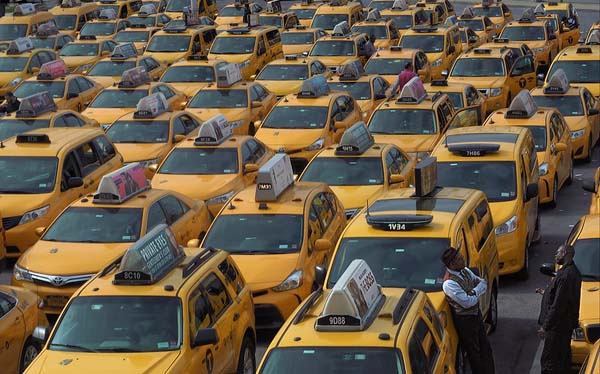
[
  {"x": 559, "y": 314},
  {"x": 463, "y": 290},
  {"x": 3, "y": 7}
]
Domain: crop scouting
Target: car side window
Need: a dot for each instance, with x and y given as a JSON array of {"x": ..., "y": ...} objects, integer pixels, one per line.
[
  {"x": 260, "y": 90},
  {"x": 391, "y": 162},
  {"x": 88, "y": 158},
  {"x": 105, "y": 148},
  {"x": 172, "y": 208},
  {"x": 256, "y": 149},
  {"x": 573, "y": 233},
  {"x": 189, "y": 124},
  {"x": 70, "y": 169},
  {"x": 156, "y": 216},
  {"x": 217, "y": 295},
  {"x": 434, "y": 319},
  {"x": 261, "y": 46},
  {"x": 199, "y": 311},
  {"x": 423, "y": 349},
  {"x": 208, "y": 36},
  {"x": 323, "y": 209},
  {"x": 166, "y": 91},
  {"x": 7, "y": 303},
  {"x": 72, "y": 120},
  {"x": 73, "y": 87},
  {"x": 315, "y": 231},
  {"x": 35, "y": 61},
  {"x": 231, "y": 275}
]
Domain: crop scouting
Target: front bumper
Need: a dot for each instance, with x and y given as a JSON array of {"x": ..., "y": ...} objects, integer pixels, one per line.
[{"x": 55, "y": 298}]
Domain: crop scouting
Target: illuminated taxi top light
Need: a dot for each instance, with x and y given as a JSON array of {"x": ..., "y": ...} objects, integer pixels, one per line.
[
  {"x": 274, "y": 177},
  {"x": 273, "y": 6},
  {"x": 175, "y": 26},
  {"x": 439, "y": 83},
  {"x": 214, "y": 131},
  {"x": 356, "y": 140},
  {"x": 351, "y": 71},
  {"x": 146, "y": 10},
  {"x": 123, "y": 52},
  {"x": 151, "y": 106},
  {"x": 24, "y": 9},
  {"x": 374, "y": 16},
  {"x": 122, "y": 184},
  {"x": 107, "y": 15},
  {"x": 33, "y": 139},
  {"x": 228, "y": 75},
  {"x": 482, "y": 51},
  {"x": 473, "y": 150},
  {"x": 19, "y": 45},
  {"x": 150, "y": 258},
  {"x": 36, "y": 104},
  {"x": 584, "y": 49},
  {"x": 558, "y": 83},
  {"x": 413, "y": 92},
  {"x": 314, "y": 87},
  {"x": 400, "y": 5},
  {"x": 134, "y": 77},
  {"x": 53, "y": 69},
  {"x": 522, "y": 106},
  {"x": 353, "y": 302},
  {"x": 47, "y": 29},
  {"x": 70, "y": 3},
  {"x": 341, "y": 29},
  {"x": 501, "y": 40}
]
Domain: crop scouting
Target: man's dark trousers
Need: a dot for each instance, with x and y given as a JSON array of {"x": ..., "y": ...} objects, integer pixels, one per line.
[
  {"x": 473, "y": 340},
  {"x": 556, "y": 355}
]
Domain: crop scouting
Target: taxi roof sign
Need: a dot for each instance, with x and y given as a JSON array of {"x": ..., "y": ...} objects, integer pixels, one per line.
[
  {"x": 558, "y": 83},
  {"x": 341, "y": 29},
  {"x": 214, "y": 131},
  {"x": 426, "y": 177},
  {"x": 24, "y": 9},
  {"x": 353, "y": 302},
  {"x": 412, "y": 92},
  {"x": 314, "y": 87},
  {"x": 124, "y": 51},
  {"x": 273, "y": 6},
  {"x": 540, "y": 9},
  {"x": 472, "y": 149},
  {"x": 398, "y": 222},
  {"x": 151, "y": 106},
  {"x": 121, "y": 184},
  {"x": 468, "y": 13},
  {"x": 107, "y": 14},
  {"x": 134, "y": 77},
  {"x": 53, "y": 69},
  {"x": 47, "y": 29},
  {"x": 36, "y": 104},
  {"x": 33, "y": 139},
  {"x": 70, "y": 3},
  {"x": 374, "y": 15},
  {"x": 149, "y": 259},
  {"x": 522, "y": 106},
  {"x": 352, "y": 71},
  {"x": 274, "y": 177},
  {"x": 355, "y": 141},
  {"x": 528, "y": 16},
  {"x": 147, "y": 9},
  {"x": 19, "y": 45},
  {"x": 400, "y": 5},
  {"x": 228, "y": 75}
]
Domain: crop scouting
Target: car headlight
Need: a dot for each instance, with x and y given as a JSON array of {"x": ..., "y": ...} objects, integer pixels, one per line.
[
  {"x": 538, "y": 50},
  {"x": 21, "y": 274},
  {"x": 14, "y": 82},
  {"x": 436, "y": 63},
  {"x": 507, "y": 227},
  {"x": 543, "y": 169},
  {"x": 495, "y": 91},
  {"x": 221, "y": 199},
  {"x": 292, "y": 282},
  {"x": 578, "y": 334},
  {"x": 234, "y": 124},
  {"x": 316, "y": 145},
  {"x": 577, "y": 134},
  {"x": 245, "y": 64},
  {"x": 34, "y": 214}
]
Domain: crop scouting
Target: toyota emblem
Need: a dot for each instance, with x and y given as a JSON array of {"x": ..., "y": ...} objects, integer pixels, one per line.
[{"x": 58, "y": 281}]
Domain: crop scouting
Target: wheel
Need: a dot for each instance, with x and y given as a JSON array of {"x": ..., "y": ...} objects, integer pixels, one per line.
[
  {"x": 30, "y": 352},
  {"x": 588, "y": 157},
  {"x": 460, "y": 364},
  {"x": 492, "y": 316},
  {"x": 552, "y": 204},
  {"x": 523, "y": 274},
  {"x": 569, "y": 180},
  {"x": 247, "y": 361}
]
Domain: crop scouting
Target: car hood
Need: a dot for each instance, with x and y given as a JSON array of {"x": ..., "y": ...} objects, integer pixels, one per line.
[
  {"x": 105, "y": 81},
  {"x": 480, "y": 82},
  {"x": 409, "y": 143},
  {"x": 6, "y": 78},
  {"x": 132, "y": 152},
  {"x": 353, "y": 197},
  {"x": 106, "y": 116},
  {"x": 502, "y": 211},
  {"x": 296, "y": 49},
  {"x": 231, "y": 114},
  {"x": 232, "y": 59},
  {"x": 281, "y": 88},
  {"x": 167, "y": 57},
  {"x": 202, "y": 187},
  {"x": 576, "y": 122},
  {"x": 265, "y": 271},
  {"x": 288, "y": 139},
  {"x": 73, "y": 62},
  {"x": 16, "y": 204},
  {"x": 189, "y": 88}
]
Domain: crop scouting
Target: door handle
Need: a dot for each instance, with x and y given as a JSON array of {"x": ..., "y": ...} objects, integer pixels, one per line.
[{"x": 236, "y": 316}]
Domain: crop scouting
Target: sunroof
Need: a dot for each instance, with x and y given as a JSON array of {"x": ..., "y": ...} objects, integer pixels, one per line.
[{"x": 414, "y": 204}]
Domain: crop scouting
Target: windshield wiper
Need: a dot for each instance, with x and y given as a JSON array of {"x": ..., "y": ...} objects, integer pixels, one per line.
[
  {"x": 88, "y": 241},
  {"x": 118, "y": 350},
  {"x": 74, "y": 346},
  {"x": 261, "y": 251}
]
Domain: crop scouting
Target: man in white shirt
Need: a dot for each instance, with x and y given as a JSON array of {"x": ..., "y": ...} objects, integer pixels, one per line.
[{"x": 463, "y": 290}]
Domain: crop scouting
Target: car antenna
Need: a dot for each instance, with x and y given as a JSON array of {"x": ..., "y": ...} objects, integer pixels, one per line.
[{"x": 231, "y": 206}]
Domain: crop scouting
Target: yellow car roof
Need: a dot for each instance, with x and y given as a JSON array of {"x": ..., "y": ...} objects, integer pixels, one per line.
[
  {"x": 234, "y": 141},
  {"x": 195, "y": 62},
  {"x": 540, "y": 117},
  {"x": 579, "y": 52},
  {"x": 448, "y": 87},
  {"x": 59, "y": 138},
  {"x": 397, "y": 52},
  {"x": 140, "y": 200},
  {"x": 589, "y": 228}
]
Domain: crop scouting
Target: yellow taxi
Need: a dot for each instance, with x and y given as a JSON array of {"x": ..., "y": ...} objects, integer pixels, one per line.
[
  {"x": 565, "y": 12},
  {"x": 121, "y": 8},
  {"x": 413, "y": 120},
  {"x": 369, "y": 90},
  {"x": 552, "y": 142},
  {"x": 237, "y": 12},
  {"x": 159, "y": 308},
  {"x": 193, "y": 74},
  {"x": 19, "y": 316},
  {"x": 593, "y": 186},
  {"x": 148, "y": 17},
  {"x": 24, "y": 21},
  {"x": 177, "y": 41},
  {"x": 139, "y": 35},
  {"x": 96, "y": 229},
  {"x": 336, "y": 11},
  {"x": 390, "y": 62},
  {"x": 43, "y": 172},
  {"x": 462, "y": 95},
  {"x": 518, "y": 48},
  {"x": 212, "y": 166},
  {"x": 404, "y": 15},
  {"x": 276, "y": 17},
  {"x": 71, "y": 15},
  {"x": 579, "y": 108},
  {"x": 433, "y": 10},
  {"x": 301, "y": 124},
  {"x": 566, "y": 36},
  {"x": 49, "y": 37},
  {"x": 105, "y": 27},
  {"x": 593, "y": 35},
  {"x": 81, "y": 54},
  {"x": 38, "y": 111},
  {"x": 482, "y": 25},
  {"x": 383, "y": 29},
  {"x": 204, "y": 8},
  {"x": 469, "y": 39},
  {"x": 300, "y": 39},
  {"x": 21, "y": 61},
  {"x": 341, "y": 47},
  {"x": 358, "y": 326},
  {"x": 115, "y": 101},
  {"x": 498, "y": 12},
  {"x": 305, "y": 10},
  {"x": 358, "y": 169},
  {"x": 500, "y": 161},
  {"x": 441, "y": 44},
  {"x": 285, "y": 76},
  {"x": 448, "y": 7},
  {"x": 495, "y": 73},
  {"x": 581, "y": 64},
  {"x": 108, "y": 71},
  {"x": 591, "y": 365},
  {"x": 277, "y": 232}
]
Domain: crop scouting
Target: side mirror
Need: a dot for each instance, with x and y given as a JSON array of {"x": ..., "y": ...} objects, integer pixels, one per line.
[
  {"x": 193, "y": 243},
  {"x": 253, "y": 77},
  {"x": 153, "y": 168},
  {"x": 444, "y": 73},
  {"x": 322, "y": 245},
  {"x": 541, "y": 76},
  {"x": 41, "y": 333},
  {"x": 339, "y": 125},
  {"x": 72, "y": 95},
  {"x": 320, "y": 274},
  {"x": 380, "y": 96},
  {"x": 105, "y": 53},
  {"x": 74, "y": 182},
  {"x": 548, "y": 269},
  {"x": 305, "y": 53},
  {"x": 451, "y": 49},
  {"x": 257, "y": 124},
  {"x": 560, "y": 147},
  {"x": 250, "y": 168},
  {"x": 35, "y": 70},
  {"x": 205, "y": 337},
  {"x": 256, "y": 104},
  {"x": 593, "y": 112},
  {"x": 531, "y": 191},
  {"x": 178, "y": 137},
  {"x": 396, "y": 178},
  {"x": 589, "y": 186},
  {"x": 39, "y": 231}
]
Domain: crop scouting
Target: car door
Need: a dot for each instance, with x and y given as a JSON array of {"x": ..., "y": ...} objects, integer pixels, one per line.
[
  {"x": 325, "y": 206},
  {"x": 396, "y": 163},
  {"x": 482, "y": 226},
  {"x": 12, "y": 333},
  {"x": 177, "y": 217},
  {"x": 70, "y": 169},
  {"x": 522, "y": 75},
  {"x": 72, "y": 100},
  {"x": 92, "y": 168},
  {"x": 468, "y": 234},
  {"x": 592, "y": 104},
  {"x": 424, "y": 350},
  {"x": 87, "y": 93}
]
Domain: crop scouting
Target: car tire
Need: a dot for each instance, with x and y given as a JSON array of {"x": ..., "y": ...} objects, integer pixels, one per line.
[
  {"x": 569, "y": 180},
  {"x": 523, "y": 274},
  {"x": 30, "y": 351},
  {"x": 492, "y": 317},
  {"x": 247, "y": 360},
  {"x": 554, "y": 201}
]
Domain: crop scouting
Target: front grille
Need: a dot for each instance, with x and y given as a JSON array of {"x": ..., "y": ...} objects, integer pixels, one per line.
[
  {"x": 267, "y": 316},
  {"x": 10, "y": 222},
  {"x": 43, "y": 282},
  {"x": 593, "y": 333}
]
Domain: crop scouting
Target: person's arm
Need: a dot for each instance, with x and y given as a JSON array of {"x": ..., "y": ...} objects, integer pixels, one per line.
[
  {"x": 454, "y": 291},
  {"x": 396, "y": 85},
  {"x": 559, "y": 306}
]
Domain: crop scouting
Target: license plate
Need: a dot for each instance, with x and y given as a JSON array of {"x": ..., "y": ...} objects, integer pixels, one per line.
[{"x": 57, "y": 301}]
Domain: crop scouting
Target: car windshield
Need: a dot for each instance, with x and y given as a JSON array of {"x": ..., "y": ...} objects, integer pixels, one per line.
[
  {"x": 110, "y": 68},
  {"x": 523, "y": 33},
  {"x": 12, "y": 127},
  {"x": 296, "y": 117},
  {"x": 328, "y": 21},
  {"x": 131, "y": 36},
  {"x": 12, "y": 31},
  {"x": 395, "y": 262},
  {"x": 403, "y": 122},
  {"x": 402, "y": 22},
  {"x": 28, "y": 88},
  {"x": 496, "y": 178},
  {"x": 283, "y": 72},
  {"x": 132, "y": 131},
  {"x": 80, "y": 49},
  {"x": 294, "y": 38},
  {"x": 305, "y": 13},
  {"x": 587, "y": 258},
  {"x": 231, "y": 11},
  {"x": 27, "y": 175},
  {"x": 43, "y": 42},
  {"x": 539, "y": 137},
  {"x": 169, "y": 43},
  {"x": 333, "y": 48},
  {"x": 456, "y": 98},
  {"x": 478, "y": 67},
  {"x": 146, "y": 21},
  {"x": 428, "y": 43},
  {"x": 358, "y": 90},
  {"x": 201, "y": 161},
  {"x": 386, "y": 66},
  {"x": 65, "y": 21},
  {"x": 585, "y": 71},
  {"x": 9, "y": 64},
  {"x": 492, "y": 11},
  {"x": 345, "y": 171},
  {"x": 270, "y": 20},
  {"x": 380, "y": 32},
  {"x": 233, "y": 45},
  {"x": 101, "y": 7},
  {"x": 179, "y": 74},
  {"x": 177, "y": 5},
  {"x": 119, "y": 324},
  {"x": 475, "y": 24},
  {"x": 381, "y": 5},
  {"x": 99, "y": 29},
  {"x": 567, "y": 105},
  {"x": 220, "y": 99},
  {"x": 118, "y": 98},
  {"x": 321, "y": 360},
  {"x": 96, "y": 225},
  {"x": 256, "y": 233}
]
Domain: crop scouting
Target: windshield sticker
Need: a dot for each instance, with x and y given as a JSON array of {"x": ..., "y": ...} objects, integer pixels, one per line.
[
  {"x": 162, "y": 345},
  {"x": 283, "y": 246},
  {"x": 96, "y": 306},
  {"x": 372, "y": 180},
  {"x": 99, "y": 215},
  {"x": 227, "y": 171},
  {"x": 309, "y": 352},
  {"x": 42, "y": 185},
  {"x": 429, "y": 281},
  {"x": 126, "y": 237},
  {"x": 400, "y": 250},
  {"x": 504, "y": 194}
]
